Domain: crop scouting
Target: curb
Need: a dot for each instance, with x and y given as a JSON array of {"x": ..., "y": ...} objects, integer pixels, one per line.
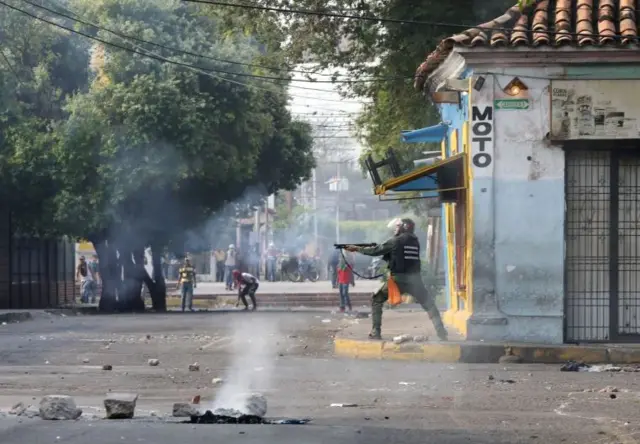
[{"x": 483, "y": 353}]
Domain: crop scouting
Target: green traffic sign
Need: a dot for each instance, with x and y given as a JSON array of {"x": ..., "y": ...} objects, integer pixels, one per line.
[{"x": 511, "y": 104}]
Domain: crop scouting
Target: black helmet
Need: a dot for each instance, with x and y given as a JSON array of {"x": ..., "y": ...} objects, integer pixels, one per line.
[{"x": 408, "y": 225}]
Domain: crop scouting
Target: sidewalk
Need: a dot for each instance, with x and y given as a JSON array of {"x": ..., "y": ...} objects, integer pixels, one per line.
[{"x": 352, "y": 342}]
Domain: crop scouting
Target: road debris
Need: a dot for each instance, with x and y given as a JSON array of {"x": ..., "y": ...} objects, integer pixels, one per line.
[
  {"x": 609, "y": 389},
  {"x": 18, "y": 409},
  {"x": 184, "y": 410},
  {"x": 195, "y": 367},
  {"x": 85, "y": 361},
  {"x": 401, "y": 339},
  {"x": 406, "y": 383},
  {"x": 573, "y": 366},
  {"x": 120, "y": 405},
  {"x": 107, "y": 367},
  {"x": 217, "y": 381},
  {"x": 195, "y": 399},
  {"x": 344, "y": 405},
  {"x": 326, "y": 321},
  {"x": 59, "y": 407},
  {"x": 256, "y": 404},
  {"x": 153, "y": 362}
]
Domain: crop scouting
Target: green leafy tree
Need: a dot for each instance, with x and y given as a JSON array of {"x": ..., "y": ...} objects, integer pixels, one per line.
[{"x": 146, "y": 150}]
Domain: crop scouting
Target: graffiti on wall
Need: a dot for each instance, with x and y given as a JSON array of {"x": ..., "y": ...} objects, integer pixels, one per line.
[{"x": 594, "y": 109}]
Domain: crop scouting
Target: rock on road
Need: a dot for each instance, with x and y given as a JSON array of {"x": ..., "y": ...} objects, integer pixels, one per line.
[{"x": 290, "y": 361}]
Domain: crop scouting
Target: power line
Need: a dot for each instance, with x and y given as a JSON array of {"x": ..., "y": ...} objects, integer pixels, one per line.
[
  {"x": 10, "y": 66},
  {"x": 379, "y": 19},
  {"x": 163, "y": 59},
  {"x": 77, "y": 18}
]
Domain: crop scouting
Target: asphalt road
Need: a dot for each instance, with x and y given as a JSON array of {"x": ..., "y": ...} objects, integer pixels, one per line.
[{"x": 287, "y": 356}]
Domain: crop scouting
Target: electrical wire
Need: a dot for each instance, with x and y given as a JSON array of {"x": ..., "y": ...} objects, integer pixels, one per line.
[
  {"x": 379, "y": 19},
  {"x": 163, "y": 59},
  {"x": 77, "y": 18},
  {"x": 11, "y": 67}
]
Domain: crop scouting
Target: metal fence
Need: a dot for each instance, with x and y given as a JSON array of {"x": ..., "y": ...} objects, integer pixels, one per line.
[
  {"x": 602, "y": 259},
  {"x": 35, "y": 273}
]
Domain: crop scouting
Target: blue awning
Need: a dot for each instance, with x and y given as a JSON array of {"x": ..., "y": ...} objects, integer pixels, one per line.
[
  {"x": 445, "y": 175},
  {"x": 429, "y": 134}
]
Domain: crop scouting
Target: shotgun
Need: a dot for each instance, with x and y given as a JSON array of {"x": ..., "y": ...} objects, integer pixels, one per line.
[{"x": 343, "y": 246}]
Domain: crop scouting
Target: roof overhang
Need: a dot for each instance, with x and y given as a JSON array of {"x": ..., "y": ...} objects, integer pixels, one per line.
[
  {"x": 500, "y": 58},
  {"x": 441, "y": 179}
]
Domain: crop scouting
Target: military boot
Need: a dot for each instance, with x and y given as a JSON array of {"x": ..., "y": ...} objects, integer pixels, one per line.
[{"x": 375, "y": 334}]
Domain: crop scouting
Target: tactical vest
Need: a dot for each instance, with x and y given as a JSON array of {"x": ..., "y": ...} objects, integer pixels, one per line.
[{"x": 405, "y": 257}]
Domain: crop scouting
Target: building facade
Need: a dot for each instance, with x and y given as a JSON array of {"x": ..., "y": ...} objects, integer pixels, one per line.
[{"x": 542, "y": 234}]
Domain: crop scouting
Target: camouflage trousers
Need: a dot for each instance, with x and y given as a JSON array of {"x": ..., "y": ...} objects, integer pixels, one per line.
[{"x": 408, "y": 284}]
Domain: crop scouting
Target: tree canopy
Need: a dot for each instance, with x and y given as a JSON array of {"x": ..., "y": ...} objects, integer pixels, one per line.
[
  {"x": 379, "y": 58},
  {"x": 130, "y": 147}
]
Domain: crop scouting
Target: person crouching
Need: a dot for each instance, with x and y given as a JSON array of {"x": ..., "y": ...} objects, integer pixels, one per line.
[{"x": 247, "y": 285}]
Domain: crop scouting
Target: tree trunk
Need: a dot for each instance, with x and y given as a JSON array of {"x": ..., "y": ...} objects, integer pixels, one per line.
[
  {"x": 130, "y": 299},
  {"x": 159, "y": 288},
  {"x": 108, "y": 261}
]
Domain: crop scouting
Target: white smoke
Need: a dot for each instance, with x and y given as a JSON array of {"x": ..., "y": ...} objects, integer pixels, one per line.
[{"x": 255, "y": 346}]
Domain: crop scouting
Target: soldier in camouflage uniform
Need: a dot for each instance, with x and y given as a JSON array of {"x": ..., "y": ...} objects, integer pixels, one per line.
[{"x": 402, "y": 253}]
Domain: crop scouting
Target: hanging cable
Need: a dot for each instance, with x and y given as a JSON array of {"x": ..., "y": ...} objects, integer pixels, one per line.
[
  {"x": 146, "y": 53},
  {"x": 78, "y": 19}
]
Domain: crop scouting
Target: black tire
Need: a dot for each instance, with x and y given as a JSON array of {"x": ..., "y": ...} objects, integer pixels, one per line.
[
  {"x": 295, "y": 276},
  {"x": 313, "y": 276}
]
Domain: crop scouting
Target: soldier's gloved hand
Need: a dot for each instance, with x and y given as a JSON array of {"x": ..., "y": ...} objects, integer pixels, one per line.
[{"x": 351, "y": 248}]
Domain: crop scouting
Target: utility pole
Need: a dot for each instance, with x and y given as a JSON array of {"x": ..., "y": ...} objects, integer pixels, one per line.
[
  {"x": 315, "y": 208},
  {"x": 338, "y": 186}
]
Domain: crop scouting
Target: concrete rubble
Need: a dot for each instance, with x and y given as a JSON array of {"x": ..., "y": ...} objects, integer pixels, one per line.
[
  {"x": 153, "y": 362},
  {"x": 195, "y": 367},
  {"x": 18, "y": 409},
  {"x": 254, "y": 404},
  {"x": 185, "y": 410},
  {"x": 59, "y": 407},
  {"x": 120, "y": 405}
]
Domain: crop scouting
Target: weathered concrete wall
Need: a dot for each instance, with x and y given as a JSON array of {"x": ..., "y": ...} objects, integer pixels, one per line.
[
  {"x": 518, "y": 209},
  {"x": 529, "y": 206}
]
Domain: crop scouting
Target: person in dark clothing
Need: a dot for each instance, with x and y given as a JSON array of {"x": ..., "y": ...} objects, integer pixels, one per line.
[
  {"x": 247, "y": 285},
  {"x": 402, "y": 252}
]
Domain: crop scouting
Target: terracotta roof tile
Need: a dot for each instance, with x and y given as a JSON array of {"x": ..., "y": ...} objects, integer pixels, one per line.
[{"x": 546, "y": 23}]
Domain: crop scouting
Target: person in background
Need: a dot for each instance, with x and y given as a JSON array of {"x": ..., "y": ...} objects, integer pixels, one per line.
[
  {"x": 230, "y": 264},
  {"x": 186, "y": 284},
  {"x": 332, "y": 267},
  {"x": 254, "y": 261},
  {"x": 174, "y": 266},
  {"x": 83, "y": 272},
  {"x": 164, "y": 261},
  {"x": 247, "y": 285},
  {"x": 272, "y": 260},
  {"x": 345, "y": 278},
  {"x": 220, "y": 257},
  {"x": 94, "y": 267}
]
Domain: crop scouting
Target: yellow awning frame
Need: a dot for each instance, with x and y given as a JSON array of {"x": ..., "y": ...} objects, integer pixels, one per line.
[{"x": 394, "y": 182}]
